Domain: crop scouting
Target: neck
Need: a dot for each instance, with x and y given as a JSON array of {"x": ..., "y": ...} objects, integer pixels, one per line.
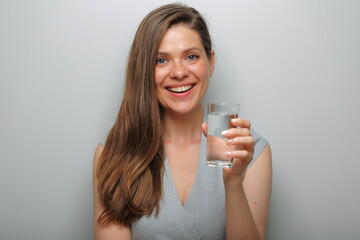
[{"x": 183, "y": 128}]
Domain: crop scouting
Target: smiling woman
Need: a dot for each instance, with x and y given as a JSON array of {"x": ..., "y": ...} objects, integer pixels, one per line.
[
  {"x": 183, "y": 69},
  {"x": 150, "y": 177}
]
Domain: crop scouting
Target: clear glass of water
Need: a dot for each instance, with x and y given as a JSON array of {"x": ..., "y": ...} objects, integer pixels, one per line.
[{"x": 219, "y": 119}]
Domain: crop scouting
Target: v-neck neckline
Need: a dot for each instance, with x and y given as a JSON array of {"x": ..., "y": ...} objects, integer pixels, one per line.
[{"x": 198, "y": 167}]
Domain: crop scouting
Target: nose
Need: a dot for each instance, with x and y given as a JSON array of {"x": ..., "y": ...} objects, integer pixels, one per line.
[{"x": 178, "y": 70}]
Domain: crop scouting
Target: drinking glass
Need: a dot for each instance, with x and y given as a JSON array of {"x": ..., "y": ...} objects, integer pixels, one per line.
[{"x": 219, "y": 119}]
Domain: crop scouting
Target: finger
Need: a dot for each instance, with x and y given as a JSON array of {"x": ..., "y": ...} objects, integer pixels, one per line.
[
  {"x": 240, "y": 164},
  {"x": 235, "y": 132},
  {"x": 204, "y": 128},
  {"x": 248, "y": 141},
  {"x": 240, "y": 154},
  {"x": 240, "y": 122}
]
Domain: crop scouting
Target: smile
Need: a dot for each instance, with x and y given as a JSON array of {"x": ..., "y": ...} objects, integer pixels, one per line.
[{"x": 181, "y": 89}]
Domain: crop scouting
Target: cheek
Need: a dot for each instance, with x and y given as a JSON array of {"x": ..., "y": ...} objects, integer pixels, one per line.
[
  {"x": 202, "y": 71},
  {"x": 159, "y": 76}
]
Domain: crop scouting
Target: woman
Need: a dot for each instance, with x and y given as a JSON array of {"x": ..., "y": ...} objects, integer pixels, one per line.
[{"x": 150, "y": 177}]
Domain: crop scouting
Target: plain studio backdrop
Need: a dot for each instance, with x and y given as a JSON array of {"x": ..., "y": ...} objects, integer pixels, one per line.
[{"x": 293, "y": 65}]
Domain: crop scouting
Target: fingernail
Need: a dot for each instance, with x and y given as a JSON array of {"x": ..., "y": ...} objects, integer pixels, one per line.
[
  {"x": 230, "y": 141},
  {"x": 224, "y": 132},
  {"x": 228, "y": 153},
  {"x": 234, "y": 120}
]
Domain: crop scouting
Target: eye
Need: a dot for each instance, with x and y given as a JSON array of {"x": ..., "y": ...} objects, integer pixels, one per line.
[
  {"x": 161, "y": 60},
  {"x": 192, "y": 57}
]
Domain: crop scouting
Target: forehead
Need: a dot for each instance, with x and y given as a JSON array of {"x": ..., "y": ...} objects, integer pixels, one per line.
[{"x": 180, "y": 36}]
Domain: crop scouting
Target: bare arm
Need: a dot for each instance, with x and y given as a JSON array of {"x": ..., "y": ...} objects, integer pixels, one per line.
[
  {"x": 247, "y": 192},
  {"x": 247, "y": 201},
  {"x": 111, "y": 231}
]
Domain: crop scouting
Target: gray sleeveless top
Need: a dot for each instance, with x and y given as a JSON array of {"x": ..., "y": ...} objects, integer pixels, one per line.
[{"x": 203, "y": 214}]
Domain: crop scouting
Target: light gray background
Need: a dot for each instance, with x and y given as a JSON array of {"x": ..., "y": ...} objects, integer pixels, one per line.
[{"x": 293, "y": 65}]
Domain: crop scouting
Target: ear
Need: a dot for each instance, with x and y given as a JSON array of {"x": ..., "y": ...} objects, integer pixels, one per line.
[{"x": 212, "y": 62}]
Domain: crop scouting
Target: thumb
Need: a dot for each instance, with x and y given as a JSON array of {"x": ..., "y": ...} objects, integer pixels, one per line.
[{"x": 204, "y": 128}]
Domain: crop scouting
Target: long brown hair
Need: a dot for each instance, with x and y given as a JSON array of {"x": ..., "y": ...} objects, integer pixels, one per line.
[{"x": 131, "y": 165}]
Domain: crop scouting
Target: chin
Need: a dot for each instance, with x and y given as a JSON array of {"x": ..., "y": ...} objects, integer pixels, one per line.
[{"x": 184, "y": 108}]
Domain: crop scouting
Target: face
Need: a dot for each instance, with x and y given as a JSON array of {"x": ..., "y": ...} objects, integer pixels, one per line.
[{"x": 182, "y": 70}]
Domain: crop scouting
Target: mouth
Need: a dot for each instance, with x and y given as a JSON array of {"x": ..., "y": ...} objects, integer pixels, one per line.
[{"x": 181, "y": 89}]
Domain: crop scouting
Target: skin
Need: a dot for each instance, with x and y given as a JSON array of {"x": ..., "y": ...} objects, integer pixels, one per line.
[{"x": 182, "y": 61}]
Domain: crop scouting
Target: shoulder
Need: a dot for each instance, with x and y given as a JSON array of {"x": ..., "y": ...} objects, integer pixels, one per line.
[
  {"x": 260, "y": 141},
  {"x": 260, "y": 144},
  {"x": 102, "y": 140},
  {"x": 99, "y": 149}
]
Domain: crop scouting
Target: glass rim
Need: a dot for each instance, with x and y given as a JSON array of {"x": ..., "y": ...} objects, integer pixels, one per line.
[{"x": 223, "y": 103}]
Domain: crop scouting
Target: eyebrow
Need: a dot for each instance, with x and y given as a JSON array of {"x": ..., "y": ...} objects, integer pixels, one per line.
[{"x": 186, "y": 50}]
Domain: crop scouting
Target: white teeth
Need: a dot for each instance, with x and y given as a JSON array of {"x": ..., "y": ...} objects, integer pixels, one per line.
[{"x": 180, "y": 89}]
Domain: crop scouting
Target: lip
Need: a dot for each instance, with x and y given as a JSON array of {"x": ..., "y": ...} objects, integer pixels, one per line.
[
  {"x": 179, "y": 85},
  {"x": 181, "y": 94}
]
